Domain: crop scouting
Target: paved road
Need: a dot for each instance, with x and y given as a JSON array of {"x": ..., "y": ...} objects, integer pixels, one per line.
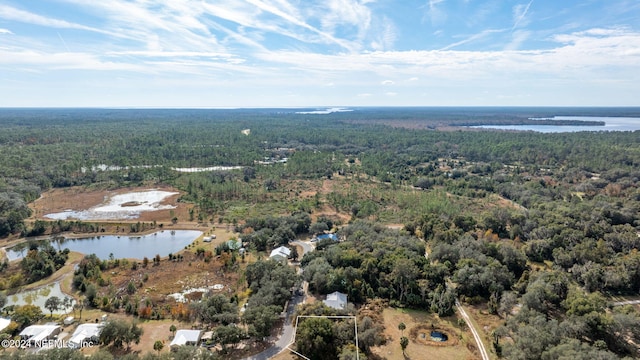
[
  {"x": 628, "y": 302},
  {"x": 285, "y": 338},
  {"x": 465, "y": 316},
  {"x": 307, "y": 246}
]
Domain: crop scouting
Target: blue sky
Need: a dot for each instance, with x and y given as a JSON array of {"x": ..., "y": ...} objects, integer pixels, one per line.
[{"x": 298, "y": 53}]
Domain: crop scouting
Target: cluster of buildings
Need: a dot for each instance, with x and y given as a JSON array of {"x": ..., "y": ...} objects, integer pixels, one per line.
[{"x": 42, "y": 336}]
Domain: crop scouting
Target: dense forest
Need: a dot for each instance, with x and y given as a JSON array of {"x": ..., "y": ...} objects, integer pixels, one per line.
[{"x": 542, "y": 228}]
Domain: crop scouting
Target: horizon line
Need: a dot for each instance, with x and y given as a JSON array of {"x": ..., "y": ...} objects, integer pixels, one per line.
[{"x": 329, "y": 107}]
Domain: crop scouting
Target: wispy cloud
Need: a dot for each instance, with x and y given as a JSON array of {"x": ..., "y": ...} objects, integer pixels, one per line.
[
  {"x": 13, "y": 14},
  {"x": 434, "y": 12},
  {"x": 333, "y": 44},
  {"x": 519, "y": 14},
  {"x": 66, "y": 60},
  {"x": 575, "y": 52},
  {"x": 336, "y": 14},
  {"x": 518, "y": 37},
  {"x": 484, "y": 10},
  {"x": 387, "y": 34},
  {"x": 481, "y": 35}
]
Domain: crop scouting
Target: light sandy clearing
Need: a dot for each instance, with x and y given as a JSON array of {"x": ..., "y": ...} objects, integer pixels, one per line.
[{"x": 121, "y": 206}]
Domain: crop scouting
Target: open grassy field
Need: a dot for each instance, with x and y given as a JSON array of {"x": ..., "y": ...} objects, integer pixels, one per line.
[{"x": 419, "y": 324}]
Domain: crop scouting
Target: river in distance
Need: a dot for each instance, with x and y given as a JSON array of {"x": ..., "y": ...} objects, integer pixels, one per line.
[{"x": 611, "y": 124}]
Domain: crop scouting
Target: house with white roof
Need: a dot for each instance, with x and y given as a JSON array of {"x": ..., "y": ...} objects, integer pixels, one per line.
[
  {"x": 4, "y": 323},
  {"x": 336, "y": 300},
  {"x": 35, "y": 334},
  {"x": 185, "y": 337},
  {"x": 85, "y": 335},
  {"x": 281, "y": 253}
]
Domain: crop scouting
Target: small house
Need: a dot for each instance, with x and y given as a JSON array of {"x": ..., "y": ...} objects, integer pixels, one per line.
[
  {"x": 331, "y": 236},
  {"x": 185, "y": 337},
  {"x": 4, "y": 323},
  {"x": 36, "y": 334},
  {"x": 336, "y": 300},
  {"x": 85, "y": 335},
  {"x": 281, "y": 253}
]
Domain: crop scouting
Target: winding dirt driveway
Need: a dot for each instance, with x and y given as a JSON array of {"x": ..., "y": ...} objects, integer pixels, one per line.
[{"x": 476, "y": 336}]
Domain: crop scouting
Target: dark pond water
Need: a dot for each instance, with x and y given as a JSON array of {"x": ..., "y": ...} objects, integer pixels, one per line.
[
  {"x": 438, "y": 336},
  {"x": 158, "y": 243}
]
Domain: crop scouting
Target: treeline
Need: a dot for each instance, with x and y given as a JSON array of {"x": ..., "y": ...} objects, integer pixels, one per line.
[
  {"x": 377, "y": 262},
  {"x": 328, "y": 333},
  {"x": 271, "y": 232},
  {"x": 271, "y": 285},
  {"x": 40, "y": 261},
  {"x": 66, "y": 147}
]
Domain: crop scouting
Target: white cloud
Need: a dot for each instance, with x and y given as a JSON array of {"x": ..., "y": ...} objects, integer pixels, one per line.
[
  {"x": 257, "y": 44},
  {"x": 337, "y": 13},
  {"x": 391, "y": 93},
  {"x": 518, "y": 37},
  {"x": 291, "y": 15},
  {"x": 576, "y": 54},
  {"x": 67, "y": 60},
  {"x": 434, "y": 12},
  {"x": 387, "y": 33},
  {"x": 481, "y": 35},
  {"x": 13, "y": 14},
  {"x": 520, "y": 15}
]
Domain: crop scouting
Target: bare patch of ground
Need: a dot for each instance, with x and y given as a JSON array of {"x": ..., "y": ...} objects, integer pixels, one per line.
[
  {"x": 154, "y": 331},
  {"x": 175, "y": 276},
  {"x": 504, "y": 202},
  {"x": 80, "y": 198}
]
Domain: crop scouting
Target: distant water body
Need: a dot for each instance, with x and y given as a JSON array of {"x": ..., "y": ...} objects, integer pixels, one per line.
[
  {"x": 123, "y": 246},
  {"x": 611, "y": 124}
]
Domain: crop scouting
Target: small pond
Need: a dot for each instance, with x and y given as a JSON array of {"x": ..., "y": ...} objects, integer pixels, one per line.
[
  {"x": 38, "y": 297},
  {"x": 439, "y": 336},
  {"x": 124, "y": 246}
]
